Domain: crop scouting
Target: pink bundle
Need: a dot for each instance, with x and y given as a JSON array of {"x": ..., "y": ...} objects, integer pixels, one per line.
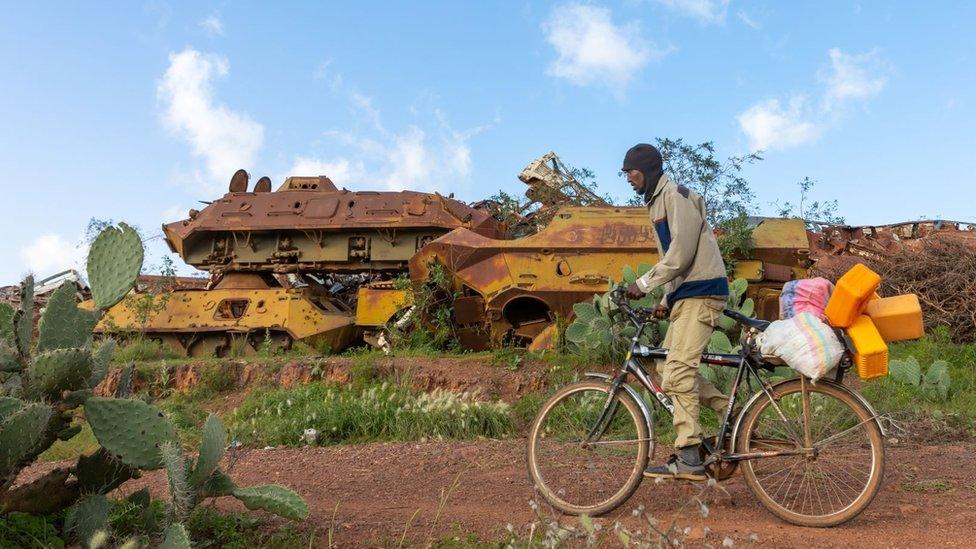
[{"x": 808, "y": 295}]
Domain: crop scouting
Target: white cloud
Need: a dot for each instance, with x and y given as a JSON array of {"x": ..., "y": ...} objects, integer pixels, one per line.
[
  {"x": 769, "y": 126},
  {"x": 174, "y": 213},
  {"x": 226, "y": 140},
  {"x": 748, "y": 20},
  {"x": 51, "y": 253},
  {"x": 592, "y": 49},
  {"x": 850, "y": 77},
  {"x": 213, "y": 26},
  {"x": 341, "y": 170},
  {"x": 705, "y": 11},
  {"x": 420, "y": 157},
  {"x": 853, "y": 77},
  {"x": 332, "y": 77}
]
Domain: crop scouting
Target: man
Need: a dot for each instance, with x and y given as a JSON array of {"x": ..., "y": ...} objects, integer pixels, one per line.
[{"x": 695, "y": 292}]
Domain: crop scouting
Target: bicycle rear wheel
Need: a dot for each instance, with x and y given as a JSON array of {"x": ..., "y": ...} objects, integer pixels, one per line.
[
  {"x": 580, "y": 477},
  {"x": 825, "y": 486}
]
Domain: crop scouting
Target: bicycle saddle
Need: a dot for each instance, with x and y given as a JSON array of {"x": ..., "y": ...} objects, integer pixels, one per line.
[{"x": 746, "y": 321}]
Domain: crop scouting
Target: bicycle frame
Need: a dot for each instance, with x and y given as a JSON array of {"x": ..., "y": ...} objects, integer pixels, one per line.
[{"x": 747, "y": 367}]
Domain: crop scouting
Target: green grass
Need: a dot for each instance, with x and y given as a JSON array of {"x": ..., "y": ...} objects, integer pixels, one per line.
[
  {"x": 207, "y": 527},
  {"x": 29, "y": 531},
  {"x": 954, "y": 416},
  {"x": 379, "y": 412},
  {"x": 932, "y": 485},
  {"x": 141, "y": 349},
  {"x": 82, "y": 443}
]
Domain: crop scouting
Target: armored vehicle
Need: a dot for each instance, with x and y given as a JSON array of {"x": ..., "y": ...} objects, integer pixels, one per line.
[{"x": 285, "y": 265}]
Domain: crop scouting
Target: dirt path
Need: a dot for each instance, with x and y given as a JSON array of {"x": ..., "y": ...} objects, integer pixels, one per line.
[{"x": 928, "y": 500}]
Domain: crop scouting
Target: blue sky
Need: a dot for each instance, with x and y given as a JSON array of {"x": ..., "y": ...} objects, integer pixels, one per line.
[{"x": 135, "y": 111}]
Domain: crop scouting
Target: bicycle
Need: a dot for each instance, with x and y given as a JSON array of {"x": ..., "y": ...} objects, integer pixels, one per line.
[{"x": 812, "y": 453}]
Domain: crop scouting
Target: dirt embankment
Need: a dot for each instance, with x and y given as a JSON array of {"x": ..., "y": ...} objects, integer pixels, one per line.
[
  {"x": 474, "y": 374},
  {"x": 371, "y": 494}
]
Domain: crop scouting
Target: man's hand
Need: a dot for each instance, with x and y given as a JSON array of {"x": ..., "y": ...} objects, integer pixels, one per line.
[
  {"x": 634, "y": 291},
  {"x": 661, "y": 312}
]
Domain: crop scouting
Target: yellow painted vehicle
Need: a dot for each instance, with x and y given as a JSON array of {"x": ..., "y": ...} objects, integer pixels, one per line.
[{"x": 287, "y": 265}]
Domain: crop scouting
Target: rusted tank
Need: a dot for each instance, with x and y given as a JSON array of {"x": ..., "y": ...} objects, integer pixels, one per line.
[
  {"x": 513, "y": 290},
  {"x": 781, "y": 252},
  {"x": 309, "y": 226},
  {"x": 286, "y": 265}
]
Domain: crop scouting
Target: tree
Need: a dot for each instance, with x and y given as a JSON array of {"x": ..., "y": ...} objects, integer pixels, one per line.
[
  {"x": 726, "y": 192},
  {"x": 813, "y": 213}
]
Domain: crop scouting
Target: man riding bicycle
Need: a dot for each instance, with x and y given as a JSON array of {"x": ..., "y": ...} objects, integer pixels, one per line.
[{"x": 693, "y": 275}]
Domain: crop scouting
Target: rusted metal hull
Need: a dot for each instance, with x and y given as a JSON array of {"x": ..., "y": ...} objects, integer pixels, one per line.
[
  {"x": 314, "y": 230},
  {"x": 513, "y": 290},
  {"x": 287, "y": 265},
  {"x": 211, "y": 322},
  {"x": 781, "y": 253}
]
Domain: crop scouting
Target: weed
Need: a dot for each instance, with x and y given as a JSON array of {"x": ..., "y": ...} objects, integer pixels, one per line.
[
  {"x": 211, "y": 528},
  {"x": 931, "y": 485},
  {"x": 139, "y": 348},
  {"x": 23, "y": 530},
  {"x": 381, "y": 412}
]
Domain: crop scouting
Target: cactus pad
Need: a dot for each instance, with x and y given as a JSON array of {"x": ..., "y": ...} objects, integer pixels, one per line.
[
  {"x": 9, "y": 405},
  {"x": 87, "y": 517},
  {"x": 130, "y": 429},
  {"x": 24, "y": 319},
  {"x": 7, "y": 324},
  {"x": 100, "y": 472},
  {"x": 101, "y": 359},
  {"x": 114, "y": 262},
  {"x": 54, "y": 372},
  {"x": 176, "y": 537},
  {"x": 219, "y": 484},
  {"x": 211, "y": 450},
  {"x": 275, "y": 499},
  {"x": 9, "y": 358},
  {"x": 20, "y": 433},
  {"x": 63, "y": 325}
]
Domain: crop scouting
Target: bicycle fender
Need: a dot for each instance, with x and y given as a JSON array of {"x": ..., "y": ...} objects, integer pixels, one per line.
[
  {"x": 648, "y": 416},
  {"x": 857, "y": 396}
]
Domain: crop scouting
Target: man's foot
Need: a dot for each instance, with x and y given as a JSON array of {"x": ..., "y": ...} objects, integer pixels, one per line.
[{"x": 685, "y": 465}]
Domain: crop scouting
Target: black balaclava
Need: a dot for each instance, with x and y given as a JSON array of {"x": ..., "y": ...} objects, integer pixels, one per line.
[{"x": 647, "y": 160}]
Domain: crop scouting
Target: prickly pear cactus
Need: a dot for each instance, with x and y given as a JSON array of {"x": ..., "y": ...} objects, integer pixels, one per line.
[
  {"x": 21, "y": 432},
  {"x": 211, "y": 450},
  {"x": 130, "y": 429},
  {"x": 275, "y": 499},
  {"x": 133, "y": 435},
  {"x": 7, "y": 314},
  {"x": 24, "y": 319},
  {"x": 53, "y": 372},
  {"x": 114, "y": 262},
  {"x": 63, "y": 325}
]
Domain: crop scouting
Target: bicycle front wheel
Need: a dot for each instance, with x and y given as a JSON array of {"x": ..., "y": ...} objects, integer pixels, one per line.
[
  {"x": 838, "y": 450},
  {"x": 579, "y": 474}
]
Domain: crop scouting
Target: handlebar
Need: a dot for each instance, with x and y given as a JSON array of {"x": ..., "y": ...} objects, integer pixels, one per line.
[{"x": 619, "y": 297}]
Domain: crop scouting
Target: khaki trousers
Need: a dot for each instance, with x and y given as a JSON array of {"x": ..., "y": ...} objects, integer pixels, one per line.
[{"x": 692, "y": 322}]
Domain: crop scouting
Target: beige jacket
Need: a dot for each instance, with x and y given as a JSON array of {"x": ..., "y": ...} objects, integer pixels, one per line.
[{"x": 690, "y": 263}]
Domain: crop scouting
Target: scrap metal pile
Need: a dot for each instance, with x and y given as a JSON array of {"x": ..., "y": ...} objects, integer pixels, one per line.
[{"x": 935, "y": 260}]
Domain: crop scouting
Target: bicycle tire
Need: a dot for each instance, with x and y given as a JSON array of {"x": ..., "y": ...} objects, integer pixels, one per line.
[
  {"x": 829, "y": 487},
  {"x": 550, "y": 488}
]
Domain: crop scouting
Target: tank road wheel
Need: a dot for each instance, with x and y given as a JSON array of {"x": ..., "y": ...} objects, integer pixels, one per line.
[
  {"x": 208, "y": 345},
  {"x": 273, "y": 342}
]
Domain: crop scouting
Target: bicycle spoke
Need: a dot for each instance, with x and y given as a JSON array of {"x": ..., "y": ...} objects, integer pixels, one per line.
[
  {"x": 837, "y": 468},
  {"x": 577, "y": 471}
]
